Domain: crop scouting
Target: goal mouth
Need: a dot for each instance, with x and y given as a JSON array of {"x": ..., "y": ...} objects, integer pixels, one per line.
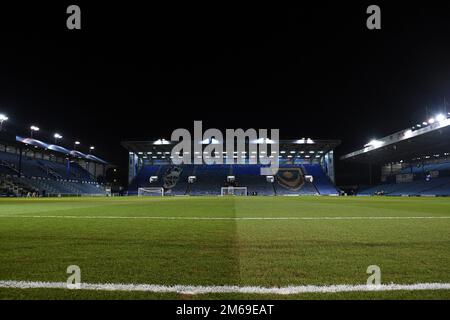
[
  {"x": 233, "y": 191},
  {"x": 153, "y": 191}
]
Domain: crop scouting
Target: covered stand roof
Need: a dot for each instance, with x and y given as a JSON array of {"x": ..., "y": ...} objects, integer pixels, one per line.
[
  {"x": 301, "y": 146},
  {"x": 406, "y": 145},
  {"x": 74, "y": 153}
]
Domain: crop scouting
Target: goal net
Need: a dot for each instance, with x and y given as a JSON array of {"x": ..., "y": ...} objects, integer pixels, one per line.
[
  {"x": 150, "y": 192},
  {"x": 233, "y": 191}
]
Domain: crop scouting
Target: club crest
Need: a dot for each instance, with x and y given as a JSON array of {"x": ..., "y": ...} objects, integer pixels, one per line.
[{"x": 290, "y": 178}]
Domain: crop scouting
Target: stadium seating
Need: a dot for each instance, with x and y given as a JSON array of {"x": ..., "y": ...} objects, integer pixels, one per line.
[
  {"x": 211, "y": 178},
  {"x": 321, "y": 180},
  {"x": 249, "y": 176},
  {"x": 45, "y": 176},
  {"x": 420, "y": 187},
  {"x": 445, "y": 166}
]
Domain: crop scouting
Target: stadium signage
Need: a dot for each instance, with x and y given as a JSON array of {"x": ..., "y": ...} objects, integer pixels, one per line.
[{"x": 250, "y": 146}]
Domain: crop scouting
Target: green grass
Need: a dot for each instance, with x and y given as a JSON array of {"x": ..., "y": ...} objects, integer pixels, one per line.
[{"x": 224, "y": 252}]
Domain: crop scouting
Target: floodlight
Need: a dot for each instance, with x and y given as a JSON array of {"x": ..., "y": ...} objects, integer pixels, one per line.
[
  {"x": 408, "y": 133},
  {"x": 161, "y": 141},
  {"x": 32, "y": 129},
  {"x": 440, "y": 117},
  {"x": 431, "y": 120},
  {"x": 77, "y": 143},
  {"x": 374, "y": 143},
  {"x": 2, "y": 118}
]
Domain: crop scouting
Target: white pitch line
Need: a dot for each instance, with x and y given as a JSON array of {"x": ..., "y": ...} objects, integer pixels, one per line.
[
  {"x": 191, "y": 289},
  {"x": 219, "y": 218}
]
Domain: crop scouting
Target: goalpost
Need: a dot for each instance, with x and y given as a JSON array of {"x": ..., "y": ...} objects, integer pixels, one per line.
[
  {"x": 150, "y": 192},
  {"x": 233, "y": 191}
]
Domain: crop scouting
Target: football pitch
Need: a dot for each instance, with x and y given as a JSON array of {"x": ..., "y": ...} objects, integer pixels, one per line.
[{"x": 225, "y": 247}]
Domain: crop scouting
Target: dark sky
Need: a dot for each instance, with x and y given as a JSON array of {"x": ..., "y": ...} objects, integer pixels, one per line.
[{"x": 136, "y": 72}]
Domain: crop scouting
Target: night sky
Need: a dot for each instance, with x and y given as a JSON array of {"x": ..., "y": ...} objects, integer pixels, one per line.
[{"x": 137, "y": 72}]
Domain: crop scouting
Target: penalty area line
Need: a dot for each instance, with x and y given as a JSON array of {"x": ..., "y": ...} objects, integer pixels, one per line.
[{"x": 191, "y": 289}]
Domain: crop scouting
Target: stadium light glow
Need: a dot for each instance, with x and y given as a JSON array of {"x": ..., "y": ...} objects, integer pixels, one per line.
[
  {"x": 2, "y": 119},
  {"x": 374, "y": 143},
  {"x": 408, "y": 133},
  {"x": 57, "y": 136},
  {"x": 209, "y": 141},
  {"x": 33, "y": 129},
  {"x": 431, "y": 120},
  {"x": 440, "y": 117},
  {"x": 161, "y": 141},
  {"x": 263, "y": 140},
  {"x": 77, "y": 143}
]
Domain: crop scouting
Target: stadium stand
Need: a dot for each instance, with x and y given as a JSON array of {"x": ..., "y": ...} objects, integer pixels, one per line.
[
  {"x": 249, "y": 176},
  {"x": 296, "y": 159},
  {"x": 412, "y": 162},
  {"x": 321, "y": 180},
  {"x": 436, "y": 186},
  {"x": 211, "y": 178},
  {"x": 47, "y": 177}
]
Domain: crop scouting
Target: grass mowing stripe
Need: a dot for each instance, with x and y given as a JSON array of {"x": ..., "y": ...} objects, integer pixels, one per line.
[{"x": 190, "y": 289}]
